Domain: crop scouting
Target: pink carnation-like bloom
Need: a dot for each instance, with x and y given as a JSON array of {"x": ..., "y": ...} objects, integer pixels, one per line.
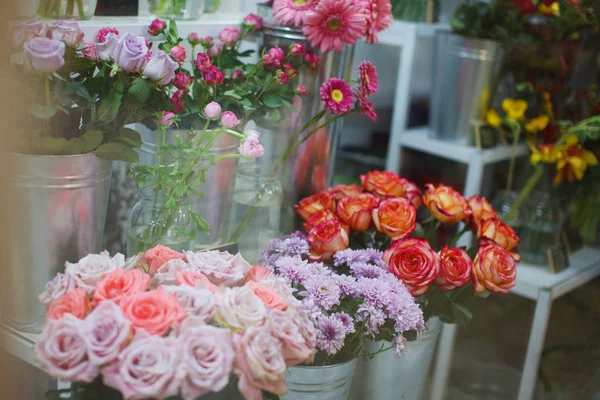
[
  {"x": 202, "y": 61},
  {"x": 282, "y": 78},
  {"x": 273, "y": 57},
  {"x": 293, "y": 12},
  {"x": 102, "y": 33},
  {"x": 379, "y": 17},
  {"x": 369, "y": 81},
  {"x": 312, "y": 60},
  {"x": 337, "y": 96},
  {"x": 213, "y": 75},
  {"x": 334, "y": 23},
  {"x": 182, "y": 81},
  {"x": 366, "y": 106},
  {"x": 230, "y": 36},
  {"x": 251, "y": 148}
]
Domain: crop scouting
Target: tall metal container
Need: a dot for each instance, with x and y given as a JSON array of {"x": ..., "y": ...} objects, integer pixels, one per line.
[
  {"x": 331, "y": 382},
  {"x": 465, "y": 73},
  {"x": 58, "y": 215}
]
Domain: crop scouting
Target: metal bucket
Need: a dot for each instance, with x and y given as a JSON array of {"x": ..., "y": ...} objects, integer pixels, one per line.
[
  {"x": 59, "y": 216},
  {"x": 386, "y": 377},
  {"x": 216, "y": 204},
  {"x": 465, "y": 73},
  {"x": 331, "y": 382}
]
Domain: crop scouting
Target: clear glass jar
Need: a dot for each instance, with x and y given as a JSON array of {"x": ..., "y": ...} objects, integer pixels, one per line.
[
  {"x": 212, "y": 6},
  {"x": 177, "y": 9},
  {"x": 415, "y": 10},
  {"x": 151, "y": 223},
  {"x": 503, "y": 204},
  {"x": 66, "y": 9},
  {"x": 542, "y": 222}
]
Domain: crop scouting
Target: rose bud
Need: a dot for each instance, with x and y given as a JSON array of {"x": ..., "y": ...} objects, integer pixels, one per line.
[
  {"x": 167, "y": 119},
  {"x": 357, "y": 210},
  {"x": 481, "y": 209},
  {"x": 179, "y": 54},
  {"x": 414, "y": 262},
  {"x": 213, "y": 75},
  {"x": 397, "y": 218},
  {"x": 229, "y": 120},
  {"x": 202, "y": 61},
  {"x": 341, "y": 191},
  {"x": 297, "y": 49},
  {"x": 383, "y": 184},
  {"x": 212, "y": 110},
  {"x": 194, "y": 39},
  {"x": 326, "y": 239},
  {"x": 157, "y": 27},
  {"x": 315, "y": 203},
  {"x": 494, "y": 270},
  {"x": 446, "y": 204},
  {"x": 318, "y": 217},
  {"x": 302, "y": 90},
  {"x": 412, "y": 193},
  {"x": 237, "y": 75},
  {"x": 254, "y": 21},
  {"x": 456, "y": 269},
  {"x": 492, "y": 229}
]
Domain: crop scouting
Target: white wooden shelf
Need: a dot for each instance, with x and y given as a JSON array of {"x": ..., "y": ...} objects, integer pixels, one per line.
[
  {"x": 402, "y": 30},
  {"x": 19, "y": 344}
]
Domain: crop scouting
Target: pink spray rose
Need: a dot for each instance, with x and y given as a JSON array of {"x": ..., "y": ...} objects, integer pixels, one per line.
[
  {"x": 130, "y": 52},
  {"x": 213, "y": 75},
  {"x": 230, "y": 35},
  {"x": 239, "y": 308},
  {"x": 209, "y": 358},
  {"x": 251, "y": 148},
  {"x": 212, "y": 110},
  {"x": 229, "y": 120},
  {"x": 74, "y": 302},
  {"x": 214, "y": 50},
  {"x": 60, "y": 285},
  {"x": 62, "y": 352},
  {"x": 254, "y": 21},
  {"x": 67, "y": 31},
  {"x": 237, "y": 75},
  {"x": 150, "y": 367},
  {"x": 177, "y": 101},
  {"x": 160, "y": 68},
  {"x": 105, "y": 333},
  {"x": 159, "y": 255},
  {"x": 92, "y": 268},
  {"x": 258, "y": 273},
  {"x": 167, "y": 119},
  {"x": 194, "y": 39},
  {"x": 165, "y": 275},
  {"x": 178, "y": 53},
  {"x": 194, "y": 279},
  {"x": 220, "y": 267},
  {"x": 153, "y": 311},
  {"x": 270, "y": 298},
  {"x": 302, "y": 91},
  {"x": 282, "y": 78},
  {"x": 43, "y": 54},
  {"x": 202, "y": 61},
  {"x": 120, "y": 283},
  {"x": 106, "y": 49},
  {"x": 195, "y": 301},
  {"x": 260, "y": 363},
  {"x": 296, "y": 348},
  {"x": 156, "y": 27},
  {"x": 182, "y": 81},
  {"x": 103, "y": 33},
  {"x": 89, "y": 51}
]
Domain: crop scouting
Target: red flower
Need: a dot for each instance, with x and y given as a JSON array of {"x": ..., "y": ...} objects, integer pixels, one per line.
[
  {"x": 326, "y": 239},
  {"x": 494, "y": 270},
  {"x": 357, "y": 210},
  {"x": 213, "y": 76},
  {"x": 383, "y": 184},
  {"x": 315, "y": 203},
  {"x": 456, "y": 269}
]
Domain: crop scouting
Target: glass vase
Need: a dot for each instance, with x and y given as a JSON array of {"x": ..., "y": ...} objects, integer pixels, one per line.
[
  {"x": 415, "y": 10},
  {"x": 67, "y": 9},
  {"x": 211, "y": 6},
  {"x": 177, "y": 9},
  {"x": 503, "y": 204},
  {"x": 542, "y": 222}
]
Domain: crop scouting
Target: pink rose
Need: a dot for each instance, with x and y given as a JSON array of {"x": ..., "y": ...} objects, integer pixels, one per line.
[
  {"x": 177, "y": 101},
  {"x": 74, "y": 302},
  {"x": 209, "y": 358},
  {"x": 258, "y": 273},
  {"x": 302, "y": 91},
  {"x": 195, "y": 301},
  {"x": 253, "y": 134},
  {"x": 62, "y": 352},
  {"x": 254, "y": 21},
  {"x": 194, "y": 279},
  {"x": 214, "y": 50},
  {"x": 182, "y": 81},
  {"x": 43, "y": 54},
  {"x": 273, "y": 57},
  {"x": 160, "y": 68},
  {"x": 229, "y": 120},
  {"x": 456, "y": 269},
  {"x": 56, "y": 288},
  {"x": 239, "y": 308},
  {"x": 92, "y": 268},
  {"x": 202, "y": 61},
  {"x": 105, "y": 333},
  {"x": 282, "y": 78},
  {"x": 159, "y": 255},
  {"x": 67, "y": 31},
  {"x": 153, "y": 311},
  {"x": 24, "y": 31},
  {"x": 167, "y": 119},
  {"x": 312, "y": 60},
  {"x": 89, "y": 52},
  {"x": 230, "y": 35},
  {"x": 220, "y": 267},
  {"x": 194, "y": 39},
  {"x": 165, "y": 275},
  {"x": 260, "y": 363},
  {"x": 268, "y": 296},
  {"x": 130, "y": 52},
  {"x": 296, "y": 349},
  {"x": 103, "y": 33},
  {"x": 207, "y": 41},
  {"x": 282, "y": 287},
  {"x": 213, "y": 75},
  {"x": 251, "y": 148},
  {"x": 297, "y": 49},
  {"x": 106, "y": 49},
  {"x": 150, "y": 367},
  {"x": 156, "y": 27},
  {"x": 237, "y": 75},
  {"x": 136, "y": 262},
  {"x": 212, "y": 110},
  {"x": 178, "y": 54},
  {"x": 120, "y": 283}
]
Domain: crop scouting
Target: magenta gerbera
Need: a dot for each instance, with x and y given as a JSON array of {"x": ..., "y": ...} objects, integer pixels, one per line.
[
  {"x": 366, "y": 106},
  {"x": 379, "y": 17},
  {"x": 369, "y": 82},
  {"x": 337, "y": 96},
  {"x": 334, "y": 23},
  {"x": 292, "y": 12}
]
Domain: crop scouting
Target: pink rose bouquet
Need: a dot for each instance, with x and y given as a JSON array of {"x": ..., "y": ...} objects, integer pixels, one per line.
[{"x": 123, "y": 331}]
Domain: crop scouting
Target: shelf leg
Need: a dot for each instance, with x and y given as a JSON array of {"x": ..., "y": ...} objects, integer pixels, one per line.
[{"x": 443, "y": 361}]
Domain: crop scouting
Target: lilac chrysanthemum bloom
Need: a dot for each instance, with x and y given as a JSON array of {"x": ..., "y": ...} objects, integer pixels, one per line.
[
  {"x": 330, "y": 334},
  {"x": 324, "y": 290},
  {"x": 320, "y": 269},
  {"x": 376, "y": 292},
  {"x": 399, "y": 344},
  {"x": 311, "y": 308},
  {"x": 294, "y": 245},
  {"x": 295, "y": 269},
  {"x": 372, "y": 316},
  {"x": 351, "y": 257},
  {"x": 347, "y": 321},
  {"x": 406, "y": 314},
  {"x": 366, "y": 270},
  {"x": 347, "y": 285}
]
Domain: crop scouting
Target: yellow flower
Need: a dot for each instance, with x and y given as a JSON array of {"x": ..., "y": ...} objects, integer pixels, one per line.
[
  {"x": 548, "y": 103},
  {"x": 546, "y": 153},
  {"x": 515, "y": 109},
  {"x": 492, "y": 118},
  {"x": 573, "y": 161},
  {"x": 537, "y": 124},
  {"x": 552, "y": 9}
]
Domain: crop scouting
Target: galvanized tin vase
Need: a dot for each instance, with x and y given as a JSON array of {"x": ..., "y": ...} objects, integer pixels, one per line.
[
  {"x": 331, "y": 382},
  {"x": 59, "y": 216}
]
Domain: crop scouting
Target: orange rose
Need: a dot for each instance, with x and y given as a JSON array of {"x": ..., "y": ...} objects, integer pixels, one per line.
[
  {"x": 482, "y": 209},
  {"x": 412, "y": 193},
  {"x": 456, "y": 269},
  {"x": 75, "y": 302},
  {"x": 496, "y": 231},
  {"x": 318, "y": 217},
  {"x": 258, "y": 273},
  {"x": 383, "y": 184},
  {"x": 159, "y": 256},
  {"x": 446, "y": 204},
  {"x": 326, "y": 239},
  {"x": 341, "y": 191},
  {"x": 397, "y": 218},
  {"x": 493, "y": 270},
  {"x": 194, "y": 279},
  {"x": 315, "y": 203},
  {"x": 414, "y": 262},
  {"x": 155, "y": 311},
  {"x": 356, "y": 210},
  {"x": 268, "y": 296},
  {"x": 121, "y": 283}
]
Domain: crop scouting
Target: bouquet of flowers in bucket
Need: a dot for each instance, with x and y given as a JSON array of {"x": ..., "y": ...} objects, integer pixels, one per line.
[
  {"x": 164, "y": 323},
  {"x": 371, "y": 232}
]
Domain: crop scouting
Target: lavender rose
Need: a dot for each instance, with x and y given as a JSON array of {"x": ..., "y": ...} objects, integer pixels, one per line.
[
  {"x": 105, "y": 332},
  {"x": 150, "y": 367},
  {"x": 209, "y": 358},
  {"x": 195, "y": 301},
  {"x": 239, "y": 307},
  {"x": 220, "y": 267},
  {"x": 130, "y": 52},
  {"x": 296, "y": 348},
  {"x": 62, "y": 353},
  {"x": 161, "y": 68},
  {"x": 58, "y": 286},
  {"x": 106, "y": 49},
  {"x": 43, "y": 54},
  {"x": 92, "y": 268},
  {"x": 24, "y": 31},
  {"x": 67, "y": 31},
  {"x": 165, "y": 275}
]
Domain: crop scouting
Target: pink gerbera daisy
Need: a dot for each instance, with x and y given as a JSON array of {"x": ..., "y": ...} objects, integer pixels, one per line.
[
  {"x": 369, "y": 82},
  {"x": 379, "y": 17},
  {"x": 337, "y": 96},
  {"x": 366, "y": 106},
  {"x": 334, "y": 23},
  {"x": 292, "y": 12}
]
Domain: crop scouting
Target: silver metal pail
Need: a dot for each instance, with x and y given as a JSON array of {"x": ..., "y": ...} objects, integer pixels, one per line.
[
  {"x": 465, "y": 72},
  {"x": 216, "y": 204},
  {"x": 59, "y": 216},
  {"x": 330, "y": 382},
  {"x": 386, "y": 377}
]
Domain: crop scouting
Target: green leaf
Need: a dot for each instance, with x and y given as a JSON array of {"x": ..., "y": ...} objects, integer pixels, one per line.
[
  {"x": 109, "y": 106},
  {"x": 90, "y": 140},
  {"x": 461, "y": 313},
  {"x": 200, "y": 223},
  {"x": 117, "y": 151},
  {"x": 129, "y": 137},
  {"x": 81, "y": 64},
  {"x": 171, "y": 203},
  {"x": 41, "y": 112},
  {"x": 140, "y": 89},
  {"x": 232, "y": 94},
  {"x": 246, "y": 102},
  {"x": 51, "y": 145},
  {"x": 273, "y": 101},
  {"x": 290, "y": 106},
  {"x": 275, "y": 115},
  {"x": 172, "y": 33}
]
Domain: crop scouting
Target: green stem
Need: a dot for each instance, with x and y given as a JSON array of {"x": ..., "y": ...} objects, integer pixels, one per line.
[
  {"x": 529, "y": 186},
  {"x": 80, "y": 8},
  {"x": 70, "y": 8},
  {"x": 516, "y": 128}
]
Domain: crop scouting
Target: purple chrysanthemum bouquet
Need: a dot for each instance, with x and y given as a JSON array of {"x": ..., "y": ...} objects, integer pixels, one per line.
[{"x": 352, "y": 300}]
